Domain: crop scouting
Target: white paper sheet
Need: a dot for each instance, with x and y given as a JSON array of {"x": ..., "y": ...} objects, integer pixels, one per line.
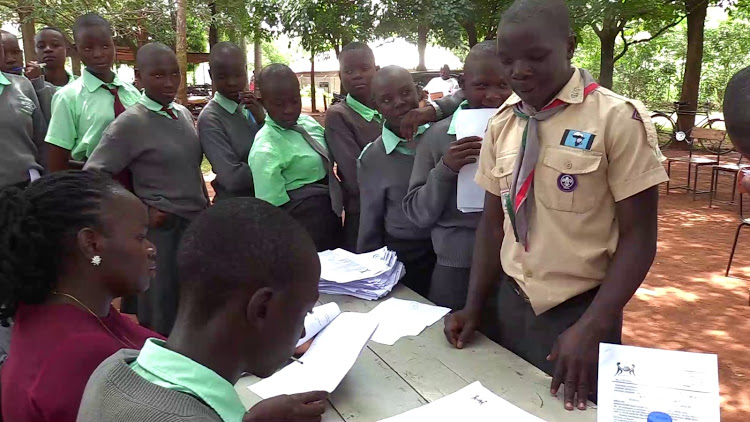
[
  {"x": 331, "y": 355},
  {"x": 319, "y": 319},
  {"x": 635, "y": 381},
  {"x": 342, "y": 266},
  {"x": 398, "y": 318},
  {"x": 472, "y": 403},
  {"x": 469, "y": 195},
  {"x": 367, "y": 276}
]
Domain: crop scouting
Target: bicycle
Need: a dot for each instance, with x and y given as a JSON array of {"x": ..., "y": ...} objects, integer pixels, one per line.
[{"x": 666, "y": 127}]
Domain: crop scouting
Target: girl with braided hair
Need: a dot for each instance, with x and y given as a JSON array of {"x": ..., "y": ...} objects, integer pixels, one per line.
[{"x": 69, "y": 244}]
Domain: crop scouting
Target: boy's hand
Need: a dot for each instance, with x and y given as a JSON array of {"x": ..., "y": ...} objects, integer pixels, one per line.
[
  {"x": 462, "y": 152},
  {"x": 304, "y": 407},
  {"x": 460, "y": 327},
  {"x": 32, "y": 70},
  {"x": 415, "y": 118},
  {"x": 251, "y": 102}
]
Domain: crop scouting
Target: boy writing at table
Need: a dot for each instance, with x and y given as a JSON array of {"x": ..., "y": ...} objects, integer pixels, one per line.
[
  {"x": 431, "y": 201},
  {"x": 290, "y": 162},
  {"x": 156, "y": 140},
  {"x": 83, "y": 109},
  {"x": 571, "y": 172},
  {"x": 229, "y": 123},
  {"x": 384, "y": 169},
  {"x": 248, "y": 277}
]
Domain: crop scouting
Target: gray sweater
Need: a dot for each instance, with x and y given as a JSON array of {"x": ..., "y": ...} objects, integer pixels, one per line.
[
  {"x": 226, "y": 140},
  {"x": 22, "y": 132},
  {"x": 383, "y": 183},
  {"x": 44, "y": 92},
  {"x": 431, "y": 200},
  {"x": 164, "y": 156},
  {"x": 115, "y": 393}
]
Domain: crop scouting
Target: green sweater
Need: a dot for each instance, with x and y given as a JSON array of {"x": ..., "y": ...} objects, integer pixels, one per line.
[{"x": 116, "y": 393}]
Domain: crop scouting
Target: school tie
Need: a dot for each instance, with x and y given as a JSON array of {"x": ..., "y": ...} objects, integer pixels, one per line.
[
  {"x": 119, "y": 108},
  {"x": 169, "y": 111},
  {"x": 334, "y": 187},
  {"x": 521, "y": 196}
]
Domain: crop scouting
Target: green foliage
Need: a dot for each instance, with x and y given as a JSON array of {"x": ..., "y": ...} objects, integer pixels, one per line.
[{"x": 271, "y": 54}]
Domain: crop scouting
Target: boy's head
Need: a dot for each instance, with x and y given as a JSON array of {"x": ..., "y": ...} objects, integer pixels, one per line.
[
  {"x": 535, "y": 45},
  {"x": 249, "y": 269},
  {"x": 395, "y": 94},
  {"x": 357, "y": 63},
  {"x": 93, "y": 38},
  {"x": 158, "y": 72},
  {"x": 13, "y": 62},
  {"x": 482, "y": 80},
  {"x": 51, "y": 47},
  {"x": 279, "y": 91},
  {"x": 228, "y": 69},
  {"x": 737, "y": 111},
  {"x": 445, "y": 72}
]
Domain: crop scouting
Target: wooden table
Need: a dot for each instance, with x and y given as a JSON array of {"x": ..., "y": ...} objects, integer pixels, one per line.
[{"x": 389, "y": 380}]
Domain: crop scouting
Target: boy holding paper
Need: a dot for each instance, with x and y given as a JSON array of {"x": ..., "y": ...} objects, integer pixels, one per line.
[{"x": 431, "y": 198}]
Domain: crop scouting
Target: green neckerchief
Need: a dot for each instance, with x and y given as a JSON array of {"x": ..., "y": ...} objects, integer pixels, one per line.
[
  {"x": 393, "y": 142},
  {"x": 3, "y": 82},
  {"x": 452, "y": 127},
  {"x": 366, "y": 112},
  {"x": 173, "y": 371},
  {"x": 156, "y": 107},
  {"x": 92, "y": 83}
]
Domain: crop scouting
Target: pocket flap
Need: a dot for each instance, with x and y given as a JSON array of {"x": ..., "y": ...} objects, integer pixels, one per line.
[
  {"x": 571, "y": 161},
  {"x": 504, "y": 165}
]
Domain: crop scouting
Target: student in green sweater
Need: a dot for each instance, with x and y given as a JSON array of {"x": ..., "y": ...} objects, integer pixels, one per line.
[{"x": 248, "y": 276}]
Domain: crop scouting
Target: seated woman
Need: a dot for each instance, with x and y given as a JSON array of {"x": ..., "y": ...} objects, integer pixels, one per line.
[{"x": 69, "y": 244}]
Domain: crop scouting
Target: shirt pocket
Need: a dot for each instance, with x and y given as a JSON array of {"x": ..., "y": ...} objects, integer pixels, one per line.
[
  {"x": 570, "y": 180},
  {"x": 503, "y": 170}
]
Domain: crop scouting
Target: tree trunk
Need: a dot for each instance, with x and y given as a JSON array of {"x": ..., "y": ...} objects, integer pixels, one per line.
[
  {"x": 608, "y": 40},
  {"x": 28, "y": 31},
  {"x": 181, "y": 49},
  {"x": 471, "y": 33},
  {"x": 258, "y": 57},
  {"x": 313, "y": 106},
  {"x": 75, "y": 62},
  {"x": 422, "y": 31},
  {"x": 213, "y": 30},
  {"x": 696, "y": 20}
]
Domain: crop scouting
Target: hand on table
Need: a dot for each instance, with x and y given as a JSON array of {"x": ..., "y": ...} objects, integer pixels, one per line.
[
  {"x": 32, "y": 70},
  {"x": 415, "y": 118},
  {"x": 462, "y": 152},
  {"x": 303, "y": 407},
  {"x": 577, "y": 354},
  {"x": 460, "y": 327}
]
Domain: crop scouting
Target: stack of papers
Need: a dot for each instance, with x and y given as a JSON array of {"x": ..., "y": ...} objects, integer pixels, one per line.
[
  {"x": 398, "y": 318},
  {"x": 367, "y": 276},
  {"x": 471, "y": 403},
  {"x": 471, "y": 122},
  {"x": 330, "y": 357}
]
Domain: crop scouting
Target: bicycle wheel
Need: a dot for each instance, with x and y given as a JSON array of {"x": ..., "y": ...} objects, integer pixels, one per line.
[
  {"x": 665, "y": 128},
  {"x": 717, "y": 147}
]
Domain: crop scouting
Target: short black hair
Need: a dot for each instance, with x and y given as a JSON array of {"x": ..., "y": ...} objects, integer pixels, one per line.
[
  {"x": 146, "y": 53},
  {"x": 553, "y": 14},
  {"x": 239, "y": 242},
  {"x": 737, "y": 110},
  {"x": 387, "y": 72},
  {"x": 275, "y": 73},
  {"x": 357, "y": 46},
  {"x": 87, "y": 21},
  {"x": 223, "y": 49},
  {"x": 35, "y": 224},
  {"x": 483, "y": 50},
  {"x": 52, "y": 28},
  {"x": 4, "y": 32}
]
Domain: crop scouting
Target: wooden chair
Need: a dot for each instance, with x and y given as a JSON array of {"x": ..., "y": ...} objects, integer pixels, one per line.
[
  {"x": 743, "y": 222},
  {"x": 697, "y": 162},
  {"x": 734, "y": 170}
]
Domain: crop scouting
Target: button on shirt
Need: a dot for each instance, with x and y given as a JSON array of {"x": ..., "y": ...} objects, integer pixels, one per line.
[
  {"x": 82, "y": 110},
  {"x": 281, "y": 160},
  {"x": 573, "y": 228},
  {"x": 173, "y": 371}
]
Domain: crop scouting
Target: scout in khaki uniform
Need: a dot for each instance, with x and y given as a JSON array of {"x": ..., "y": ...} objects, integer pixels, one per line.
[{"x": 571, "y": 173}]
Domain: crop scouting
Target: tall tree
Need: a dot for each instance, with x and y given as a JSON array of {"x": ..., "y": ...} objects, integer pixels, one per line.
[
  {"x": 696, "y": 11},
  {"x": 181, "y": 49}
]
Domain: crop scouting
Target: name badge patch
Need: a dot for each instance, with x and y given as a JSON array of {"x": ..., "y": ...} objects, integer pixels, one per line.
[
  {"x": 578, "y": 139},
  {"x": 567, "y": 182}
]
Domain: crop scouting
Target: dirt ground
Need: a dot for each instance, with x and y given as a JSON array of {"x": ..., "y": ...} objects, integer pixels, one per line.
[{"x": 686, "y": 302}]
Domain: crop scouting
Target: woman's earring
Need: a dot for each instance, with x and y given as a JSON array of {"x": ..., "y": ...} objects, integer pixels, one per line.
[{"x": 96, "y": 260}]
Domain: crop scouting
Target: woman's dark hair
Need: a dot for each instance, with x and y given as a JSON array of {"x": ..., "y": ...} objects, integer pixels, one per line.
[{"x": 35, "y": 224}]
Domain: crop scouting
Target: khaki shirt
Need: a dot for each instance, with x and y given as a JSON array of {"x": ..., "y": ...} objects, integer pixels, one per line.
[{"x": 573, "y": 229}]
